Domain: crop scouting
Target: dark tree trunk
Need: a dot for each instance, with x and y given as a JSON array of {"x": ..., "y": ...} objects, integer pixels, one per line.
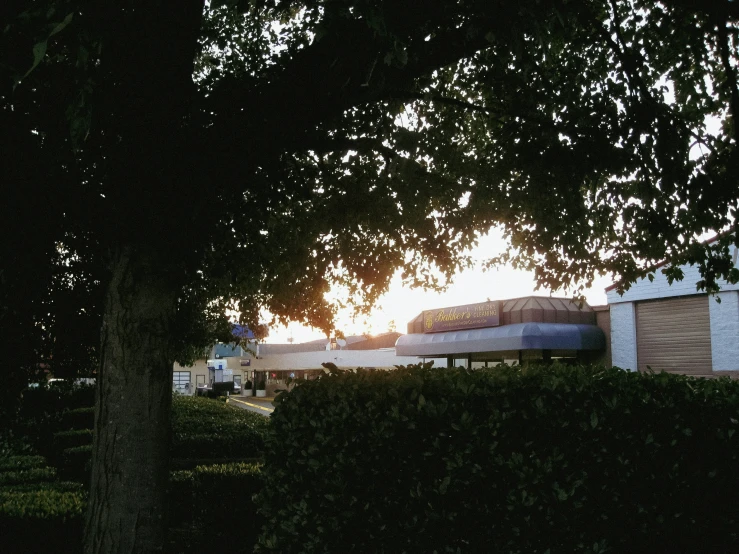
[
  {"x": 141, "y": 108},
  {"x": 132, "y": 415}
]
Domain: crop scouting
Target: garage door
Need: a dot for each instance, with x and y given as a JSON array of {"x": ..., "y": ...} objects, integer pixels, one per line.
[
  {"x": 180, "y": 379},
  {"x": 674, "y": 334}
]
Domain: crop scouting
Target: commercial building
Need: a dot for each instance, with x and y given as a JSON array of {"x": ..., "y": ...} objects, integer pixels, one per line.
[
  {"x": 653, "y": 325},
  {"x": 675, "y": 328},
  {"x": 514, "y": 330},
  {"x": 278, "y": 362}
]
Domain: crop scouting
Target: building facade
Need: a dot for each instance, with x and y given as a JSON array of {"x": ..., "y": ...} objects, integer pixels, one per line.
[
  {"x": 674, "y": 328},
  {"x": 278, "y": 362},
  {"x": 514, "y": 330}
]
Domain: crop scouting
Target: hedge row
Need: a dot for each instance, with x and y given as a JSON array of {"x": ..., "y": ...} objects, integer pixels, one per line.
[
  {"x": 49, "y": 519},
  {"x": 72, "y": 438},
  {"x": 76, "y": 463},
  {"x": 44, "y": 504},
  {"x": 208, "y": 494},
  {"x": 33, "y": 504},
  {"x": 16, "y": 463},
  {"x": 209, "y": 503},
  {"x": 49, "y": 401},
  {"x": 22, "y": 476},
  {"x": 78, "y": 419},
  {"x": 203, "y": 428},
  {"x": 59, "y": 486},
  {"x": 215, "y": 504},
  {"x": 559, "y": 460}
]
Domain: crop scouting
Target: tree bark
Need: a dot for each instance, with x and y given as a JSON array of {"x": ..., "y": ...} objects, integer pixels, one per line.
[{"x": 132, "y": 415}]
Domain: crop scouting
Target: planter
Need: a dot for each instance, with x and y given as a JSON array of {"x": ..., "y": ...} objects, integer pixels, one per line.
[
  {"x": 261, "y": 393},
  {"x": 247, "y": 392}
]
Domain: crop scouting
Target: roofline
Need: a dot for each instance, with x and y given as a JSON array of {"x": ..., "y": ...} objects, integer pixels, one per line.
[
  {"x": 663, "y": 263},
  {"x": 501, "y": 300}
]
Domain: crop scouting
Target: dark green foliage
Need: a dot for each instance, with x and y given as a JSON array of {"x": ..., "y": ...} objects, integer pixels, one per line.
[
  {"x": 216, "y": 500},
  {"x": 59, "y": 486},
  {"x": 72, "y": 438},
  {"x": 48, "y": 520},
  {"x": 16, "y": 463},
  {"x": 51, "y": 400},
  {"x": 78, "y": 418},
  {"x": 75, "y": 463},
  {"x": 26, "y": 476},
  {"x": 207, "y": 503},
  {"x": 47, "y": 410},
  {"x": 204, "y": 428},
  {"x": 559, "y": 460},
  {"x": 42, "y": 504}
]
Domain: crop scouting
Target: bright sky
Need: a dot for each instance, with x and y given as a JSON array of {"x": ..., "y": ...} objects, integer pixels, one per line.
[{"x": 402, "y": 304}]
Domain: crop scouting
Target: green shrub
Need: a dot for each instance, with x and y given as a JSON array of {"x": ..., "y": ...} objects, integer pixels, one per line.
[
  {"x": 45, "y": 401},
  {"x": 60, "y": 486},
  {"x": 24, "y": 476},
  {"x": 42, "y": 504},
  {"x": 75, "y": 463},
  {"x": 560, "y": 460},
  {"x": 47, "y": 520},
  {"x": 216, "y": 501},
  {"x": 204, "y": 428},
  {"x": 15, "y": 463},
  {"x": 78, "y": 419},
  {"x": 72, "y": 438}
]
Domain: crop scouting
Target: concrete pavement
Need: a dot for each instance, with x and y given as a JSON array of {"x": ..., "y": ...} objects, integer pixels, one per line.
[{"x": 262, "y": 406}]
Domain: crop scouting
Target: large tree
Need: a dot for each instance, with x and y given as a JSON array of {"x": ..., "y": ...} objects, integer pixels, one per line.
[{"x": 187, "y": 159}]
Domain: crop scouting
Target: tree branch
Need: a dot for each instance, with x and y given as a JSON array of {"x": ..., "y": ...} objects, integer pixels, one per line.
[
  {"x": 725, "y": 9},
  {"x": 731, "y": 80},
  {"x": 319, "y": 85},
  {"x": 409, "y": 95}
]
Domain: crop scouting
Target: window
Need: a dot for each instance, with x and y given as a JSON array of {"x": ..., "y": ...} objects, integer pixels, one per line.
[{"x": 180, "y": 379}]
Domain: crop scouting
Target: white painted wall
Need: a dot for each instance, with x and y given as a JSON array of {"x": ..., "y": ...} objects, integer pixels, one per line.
[
  {"x": 724, "y": 317},
  {"x": 643, "y": 289},
  {"x": 623, "y": 335}
]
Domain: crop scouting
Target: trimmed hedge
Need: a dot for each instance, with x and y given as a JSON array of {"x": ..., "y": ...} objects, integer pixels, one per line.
[
  {"x": 16, "y": 463},
  {"x": 75, "y": 463},
  {"x": 52, "y": 516},
  {"x": 72, "y": 438},
  {"x": 60, "y": 486},
  {"x": 209, "y": 503},
  {"x": 23, "y": 476},
  {"x": 208, "y": 494},
  {"x": 204, "y": 428},
  {"x": 48, "y": 401},
  {"x": 78, "y": 419},
  {"x": 559, "y": 460},
  {"x": 213, "y": 504},
  {"x": 42, "y": 504}
]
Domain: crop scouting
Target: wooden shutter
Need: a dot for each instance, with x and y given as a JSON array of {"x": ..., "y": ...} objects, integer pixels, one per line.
[{"x": 674, "y": 334}]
